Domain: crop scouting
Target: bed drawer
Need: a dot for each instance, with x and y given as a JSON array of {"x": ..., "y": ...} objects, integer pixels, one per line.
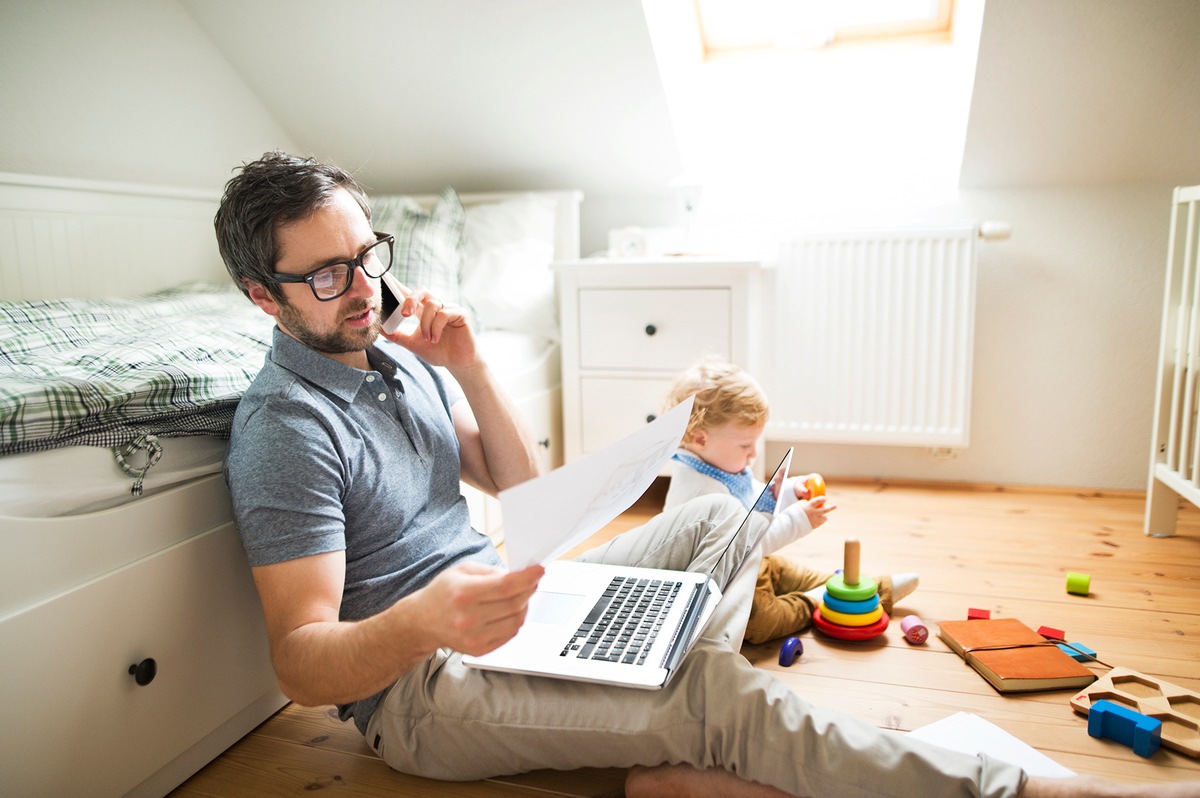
[
  {"x": 652, "y": 328},
  {"x": 82, "y": 725}
]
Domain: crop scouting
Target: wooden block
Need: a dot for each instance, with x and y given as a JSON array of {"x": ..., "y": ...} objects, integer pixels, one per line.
[
  {"x": 974, "y": 614},
  {"x": 1078, "y": 651},
  {"x": 1140, "y": 732},
  {"x": 1050, "y": 633}
]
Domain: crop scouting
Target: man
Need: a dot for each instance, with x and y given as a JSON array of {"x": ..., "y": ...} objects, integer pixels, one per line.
[{"x": 344, "y": 464}]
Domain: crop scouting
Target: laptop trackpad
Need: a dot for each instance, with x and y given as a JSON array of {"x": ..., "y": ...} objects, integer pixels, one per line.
[{"x": 545, "y": 607}]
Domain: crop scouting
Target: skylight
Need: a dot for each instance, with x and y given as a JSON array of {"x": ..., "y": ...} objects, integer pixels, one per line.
[
  {"x": 730, "y": 26},
  {"x": 880, "y": 122}
]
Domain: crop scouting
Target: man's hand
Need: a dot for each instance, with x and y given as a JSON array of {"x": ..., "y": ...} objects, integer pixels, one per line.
[
  {"x": 442, "y": 336},
  {"x": 477, "y": 608}
]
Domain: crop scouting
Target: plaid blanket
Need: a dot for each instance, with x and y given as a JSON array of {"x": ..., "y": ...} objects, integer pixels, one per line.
[{"x": 116, "y": 372}]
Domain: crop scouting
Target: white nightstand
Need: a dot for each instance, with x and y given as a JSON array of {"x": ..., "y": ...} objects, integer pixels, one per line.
[{"x": 630, "y": 325}]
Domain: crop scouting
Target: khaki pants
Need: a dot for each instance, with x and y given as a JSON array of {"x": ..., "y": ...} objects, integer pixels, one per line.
[{"x": 446, "y": 721}]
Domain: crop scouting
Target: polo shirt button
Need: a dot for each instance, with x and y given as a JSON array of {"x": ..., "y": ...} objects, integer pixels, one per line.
[
  {"x": 370, "y": 378},
  {"x": 383, "y": 397}
]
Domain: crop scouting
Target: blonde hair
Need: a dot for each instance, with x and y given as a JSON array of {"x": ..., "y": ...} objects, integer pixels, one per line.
[{"x": 725, "y": 394}]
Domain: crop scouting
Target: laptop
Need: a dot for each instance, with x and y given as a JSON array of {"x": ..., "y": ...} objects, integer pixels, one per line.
[{"x": 614, "y": 624}]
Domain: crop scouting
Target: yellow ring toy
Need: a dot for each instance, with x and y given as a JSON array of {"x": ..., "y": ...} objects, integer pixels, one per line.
[{"x": 846, "y": 619}]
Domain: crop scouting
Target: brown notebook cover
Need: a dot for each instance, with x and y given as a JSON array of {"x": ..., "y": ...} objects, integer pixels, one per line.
[{"x": 1013, "y": 657}]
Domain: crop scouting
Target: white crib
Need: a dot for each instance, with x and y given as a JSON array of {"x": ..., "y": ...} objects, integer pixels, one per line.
[{"x": 1175, "y": 447}]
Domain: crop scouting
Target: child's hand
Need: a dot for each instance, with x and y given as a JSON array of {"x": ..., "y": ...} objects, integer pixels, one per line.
[
  {"x": 817, "y": 509},
  {"x": 804, "y": 486},
  {"x": 802, "y": 491}
]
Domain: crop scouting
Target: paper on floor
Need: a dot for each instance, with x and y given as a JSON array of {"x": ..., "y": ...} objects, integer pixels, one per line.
[{"x": 971, "y": 734}]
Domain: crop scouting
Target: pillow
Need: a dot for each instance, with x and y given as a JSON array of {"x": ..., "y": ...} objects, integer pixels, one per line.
[
  {"x": 506, "y": 272},
  {"x": 429, "y": 246}
]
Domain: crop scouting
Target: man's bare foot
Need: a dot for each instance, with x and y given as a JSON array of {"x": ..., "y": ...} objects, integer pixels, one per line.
[{"x": 1092, "y": 787}]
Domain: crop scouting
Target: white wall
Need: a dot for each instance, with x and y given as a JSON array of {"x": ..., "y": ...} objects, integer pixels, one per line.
[
  {"x": 122, "y": 90},
  {"x": 1066, "y": 343}
]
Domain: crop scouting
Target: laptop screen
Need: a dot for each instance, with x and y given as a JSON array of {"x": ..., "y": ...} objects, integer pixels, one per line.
[{"x": 774, "y": 485}]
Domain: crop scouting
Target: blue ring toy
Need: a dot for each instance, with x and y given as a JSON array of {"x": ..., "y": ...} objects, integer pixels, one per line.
[
  {"x": 792, "y": 648},
  {"x": 851, "y": 607}
]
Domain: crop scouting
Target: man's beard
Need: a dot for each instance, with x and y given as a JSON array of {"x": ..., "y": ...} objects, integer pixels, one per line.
[{"x": 338, "y": 342}]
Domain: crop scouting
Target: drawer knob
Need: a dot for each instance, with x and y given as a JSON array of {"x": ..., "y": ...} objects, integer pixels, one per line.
[
  {"x": 650, "y": 418},
  {"x": 544, "y": 443},
  {"x": 651, "y": 329},
  {"x": 144, "y": 672}
]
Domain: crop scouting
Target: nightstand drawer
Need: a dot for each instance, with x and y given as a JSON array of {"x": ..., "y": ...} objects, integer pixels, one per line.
[
  {"x": 613, "y": 407},
  {"x": 653, "y": 328}
]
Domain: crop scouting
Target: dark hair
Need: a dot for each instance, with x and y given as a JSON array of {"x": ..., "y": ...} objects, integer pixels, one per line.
[{"x": 266, "y": 194}]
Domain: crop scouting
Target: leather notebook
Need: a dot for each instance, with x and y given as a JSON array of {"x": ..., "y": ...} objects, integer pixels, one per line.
[{"x": 1012, "y": 657}]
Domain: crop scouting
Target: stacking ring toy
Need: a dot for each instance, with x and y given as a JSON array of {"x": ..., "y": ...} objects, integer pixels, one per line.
[
  {"x": 821, "y": 624},
  {"x": 792, "y": 648},
  {"x": 853, "y": 607},
  {"x": 863, "y": 590},
  {"x": 849, "y": 619}
]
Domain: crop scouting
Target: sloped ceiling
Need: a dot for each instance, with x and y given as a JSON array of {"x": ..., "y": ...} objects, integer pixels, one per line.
[
  {"x": 1085, "y": 92},
  {"x": 481, "y": 94},
  {"x": 487, "y": 94}
]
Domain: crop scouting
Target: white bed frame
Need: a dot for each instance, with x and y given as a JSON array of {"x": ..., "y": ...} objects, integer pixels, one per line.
[{"x": 85, "y": 599}]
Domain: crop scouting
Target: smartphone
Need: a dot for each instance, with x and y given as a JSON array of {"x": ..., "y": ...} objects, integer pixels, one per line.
[{"x": 393, "y": 297}]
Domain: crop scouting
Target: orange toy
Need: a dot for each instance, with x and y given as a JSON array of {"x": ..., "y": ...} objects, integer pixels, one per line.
[{"x": 815, "y": 485}]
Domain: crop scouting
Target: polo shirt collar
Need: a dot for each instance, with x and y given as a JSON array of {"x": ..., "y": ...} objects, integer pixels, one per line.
[{"x": 326, "y": 373}]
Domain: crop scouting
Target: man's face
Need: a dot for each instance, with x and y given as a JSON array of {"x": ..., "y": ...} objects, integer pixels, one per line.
[{"x": 340, "y": 328}]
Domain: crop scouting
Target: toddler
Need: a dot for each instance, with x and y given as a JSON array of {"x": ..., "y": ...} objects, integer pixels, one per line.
[{"x": 728, "y": 417}]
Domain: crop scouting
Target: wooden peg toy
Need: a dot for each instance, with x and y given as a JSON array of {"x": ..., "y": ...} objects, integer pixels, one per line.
[{"x": 853, "y": 554}]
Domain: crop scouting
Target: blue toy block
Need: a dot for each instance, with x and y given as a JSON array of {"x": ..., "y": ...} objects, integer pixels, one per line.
[
  {"x": 1078, "y": 651},
  {"x": 1140, "y": 732}
]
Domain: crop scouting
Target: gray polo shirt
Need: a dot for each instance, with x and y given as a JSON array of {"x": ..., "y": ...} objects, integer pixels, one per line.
[{"x": 324, "y": 457}]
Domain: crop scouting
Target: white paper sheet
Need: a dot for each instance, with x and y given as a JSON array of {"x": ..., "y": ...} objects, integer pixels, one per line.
[
  {"x": 545, "y": 517},
  {"x": 971, "y": 734}
]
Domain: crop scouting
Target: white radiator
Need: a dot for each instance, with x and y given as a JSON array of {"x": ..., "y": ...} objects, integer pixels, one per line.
[{"x": 872, "y": 338}]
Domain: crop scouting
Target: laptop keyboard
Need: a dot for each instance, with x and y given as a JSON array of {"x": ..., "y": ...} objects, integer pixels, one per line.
[{"x": 624, "y": 622}]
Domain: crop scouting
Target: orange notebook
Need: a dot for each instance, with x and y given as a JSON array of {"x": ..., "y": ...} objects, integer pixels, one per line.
[{"x": 1013, "y": 657}]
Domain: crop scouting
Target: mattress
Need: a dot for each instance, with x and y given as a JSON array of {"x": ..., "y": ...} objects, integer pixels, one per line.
[{"x": 31, "y": 484}]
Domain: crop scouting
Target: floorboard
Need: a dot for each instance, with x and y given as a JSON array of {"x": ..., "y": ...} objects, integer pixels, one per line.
[{"x": 1001, "y": 549}]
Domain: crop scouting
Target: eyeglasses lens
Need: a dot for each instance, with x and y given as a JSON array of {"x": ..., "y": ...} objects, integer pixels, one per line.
[{"x": 331, "y": 281}]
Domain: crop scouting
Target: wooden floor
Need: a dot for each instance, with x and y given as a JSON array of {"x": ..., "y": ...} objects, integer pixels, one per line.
[{"x": 1006, "y": 551}]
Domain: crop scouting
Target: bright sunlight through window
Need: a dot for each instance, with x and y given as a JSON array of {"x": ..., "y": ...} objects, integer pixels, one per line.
[{"x": 880, "y": 121}]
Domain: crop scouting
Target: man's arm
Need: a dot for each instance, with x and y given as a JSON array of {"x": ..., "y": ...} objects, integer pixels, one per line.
[
  {"x": 319, "y": 660},
  {"x": 496, "y": 446}
]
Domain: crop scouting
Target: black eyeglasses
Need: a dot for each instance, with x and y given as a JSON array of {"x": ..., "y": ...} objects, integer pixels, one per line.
[{"x": 331, "y": 281}]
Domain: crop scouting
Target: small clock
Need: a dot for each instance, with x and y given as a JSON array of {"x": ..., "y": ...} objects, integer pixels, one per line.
[{"x": 627, "y": 242}]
